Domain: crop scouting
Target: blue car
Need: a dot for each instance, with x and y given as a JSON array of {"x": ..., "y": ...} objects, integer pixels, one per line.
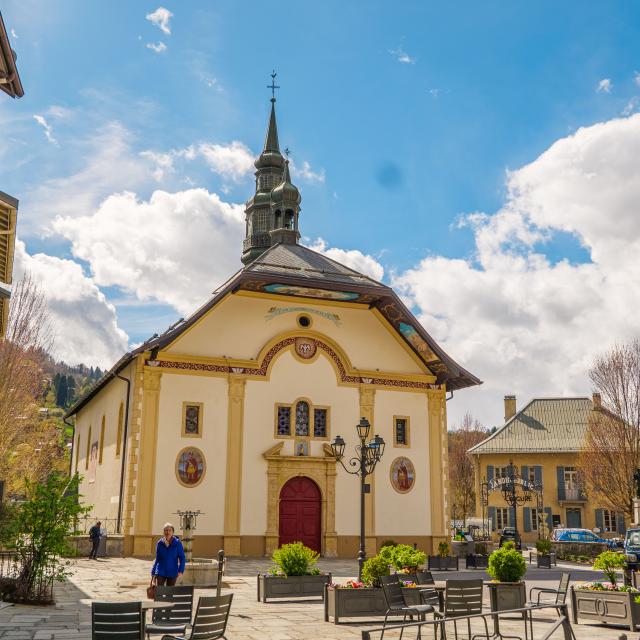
[
  {"x": 632, "y": 548},
  {"x": 580, "y": 535}
]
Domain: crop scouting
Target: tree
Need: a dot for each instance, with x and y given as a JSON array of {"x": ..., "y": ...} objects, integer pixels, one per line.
[
  {"x": 461, "y": 472},
  {"x": 38, "y": 530},
  {"x": 62, "y": 392},
  {"x": 611, "y": 449}
]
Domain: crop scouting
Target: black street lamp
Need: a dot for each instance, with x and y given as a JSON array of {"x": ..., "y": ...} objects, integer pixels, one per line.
[
  {"x": 362, "y": 464},
  {"x": 511, "y": 497}
]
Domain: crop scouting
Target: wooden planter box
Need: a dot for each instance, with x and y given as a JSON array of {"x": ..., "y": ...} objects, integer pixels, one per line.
[
  {"x": 605, "y": 606},
  {"x": 477, "y": 561},
  {"x": 437, "y": 563},
  {"x": 360, "y": 603},
  {"x": 292, "y": 586},
  {"x": 507, "y": 595}
]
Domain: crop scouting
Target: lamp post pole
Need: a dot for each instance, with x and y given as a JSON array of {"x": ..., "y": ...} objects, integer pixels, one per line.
[
  {"x": 368, "y": 454},
  {"x": 511, "y": 497}
]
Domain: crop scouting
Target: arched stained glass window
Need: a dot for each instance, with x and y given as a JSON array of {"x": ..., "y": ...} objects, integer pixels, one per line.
[{"x": 302, "y": 418}]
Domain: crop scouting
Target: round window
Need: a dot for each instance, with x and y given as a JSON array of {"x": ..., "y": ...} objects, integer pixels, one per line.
[{"x": 304, "y": 321}]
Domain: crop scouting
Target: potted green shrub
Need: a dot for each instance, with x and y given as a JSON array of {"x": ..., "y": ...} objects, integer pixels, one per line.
[
  {"x": 294, "y": 574},
  {"x": 365, "y": 599},
  {"x": 607, "y": 601},
  {"x": 442, "y": 561},
  {"x": 543, "y": 553},
  {"x": 507, "y": 568}
]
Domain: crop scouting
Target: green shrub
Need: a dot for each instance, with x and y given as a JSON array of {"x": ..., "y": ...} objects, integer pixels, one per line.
[
  {"x": 295, "y": 559},
  {"x": 389, "y": 543},
  {"x": 443, "y": 549},
  {"x": 374, "y": 569},
  {"x": 507, "y": 565},
  {"x": 608, "y": 562},
  {"x": 403, "y": 556},
  {"x": 543, "y": 546}
]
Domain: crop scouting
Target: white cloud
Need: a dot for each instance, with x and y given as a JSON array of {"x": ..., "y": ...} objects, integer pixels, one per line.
[
  {"x": 84, "y": 323},
  {"x": 160, "y": 18},
  {"x": 631, "y": 106},
  {"x": 306, "y": 173},
  {"x": 402, "y": 56},
  {"x": 605, "y": 85},
  {"x": 14, "y": 35},
  {"x": 174, "y": 248},
  {"x": 636, "y": 78},
  {"x": 159, "y": 47},
  {"x": 107, "y": 164},
  {"x": 48, "y": 131},
  {"x": 521, "y": 321},
  {"x": 233, "y": 161},
  {"x": 352, "y": 258}
]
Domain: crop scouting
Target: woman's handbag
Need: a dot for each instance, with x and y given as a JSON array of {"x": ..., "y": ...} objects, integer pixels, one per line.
[{"x": 151, "y": 589}]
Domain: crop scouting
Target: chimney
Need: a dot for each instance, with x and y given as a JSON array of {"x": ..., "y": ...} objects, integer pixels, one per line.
[
  {"x": 597, "y": 400},
  {"x": 509, "y": 407}
]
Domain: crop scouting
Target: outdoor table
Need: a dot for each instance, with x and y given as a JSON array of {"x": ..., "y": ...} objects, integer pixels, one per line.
[{"x": 440, "y": 586}]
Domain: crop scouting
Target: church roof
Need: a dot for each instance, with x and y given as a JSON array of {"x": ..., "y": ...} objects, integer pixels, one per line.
[{"x": 544, "y": 425}]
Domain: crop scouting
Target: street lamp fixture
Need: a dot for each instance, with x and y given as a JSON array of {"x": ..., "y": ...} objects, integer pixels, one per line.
[{"x": 362, "y": 464}]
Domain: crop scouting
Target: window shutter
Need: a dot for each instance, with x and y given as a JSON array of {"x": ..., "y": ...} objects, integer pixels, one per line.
[
  {"x": 489, "y": 472},
  {"x": 547, "y": 511},
  {"x": 600, "y": 520},
  {"x": 492, "y": 517},
  {"x": 524, "y": 472},
  {"x": 512, "y": 516},
  {"x": 526, "y": 515},
  {"x": 537, "y": 470},
  {"x": 561, "y": 492},
  {"x": 620, "y": 523}
]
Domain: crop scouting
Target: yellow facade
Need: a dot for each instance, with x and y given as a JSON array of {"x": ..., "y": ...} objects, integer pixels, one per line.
[
  {"x": 8, "y": 215},
  {"x": 246, "y": 462}
]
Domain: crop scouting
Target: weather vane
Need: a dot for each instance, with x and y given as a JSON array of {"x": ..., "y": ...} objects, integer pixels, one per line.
[{"x": 273, "y": 86}]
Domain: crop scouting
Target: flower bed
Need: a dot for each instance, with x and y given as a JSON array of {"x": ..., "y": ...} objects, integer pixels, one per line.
[{"x": 606, "y": 603}]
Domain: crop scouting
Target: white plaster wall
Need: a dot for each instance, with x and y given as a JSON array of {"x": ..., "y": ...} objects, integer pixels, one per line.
[
  {"x": 104, "y": 493},
  {"x": 292, "y": 379},
  {"x": 208, "y": 496},
  {"x": 402, "y": 514},
  {"x": 239, "y": 327}
]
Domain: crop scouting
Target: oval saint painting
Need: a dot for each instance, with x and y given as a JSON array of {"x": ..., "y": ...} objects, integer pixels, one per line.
[
  {"x": 190, "y": 467},
  {"x": 403, "y": 474}
]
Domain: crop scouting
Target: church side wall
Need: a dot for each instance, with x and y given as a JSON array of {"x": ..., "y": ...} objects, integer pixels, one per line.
[
  {"x": 100, "y": 485},
  {"x": 403, "y": 514},
  {"x": 260, "y": 318},
  {"x": 208, "y": 496}
]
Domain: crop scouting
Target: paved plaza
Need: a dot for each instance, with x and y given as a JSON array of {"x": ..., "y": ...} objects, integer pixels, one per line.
[{"x": 118, "y": 579}]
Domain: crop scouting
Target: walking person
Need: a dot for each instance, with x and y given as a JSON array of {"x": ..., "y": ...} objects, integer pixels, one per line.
[
  {"x": 170, "y": 560},
  {"x": 94, "y": 536}
]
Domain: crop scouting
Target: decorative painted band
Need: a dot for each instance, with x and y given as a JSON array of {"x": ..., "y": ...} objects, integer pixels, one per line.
[{"x": 283, "y": 344}]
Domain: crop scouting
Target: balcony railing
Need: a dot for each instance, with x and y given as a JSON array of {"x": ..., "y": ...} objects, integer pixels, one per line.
[{"x": 575, "y": 494}]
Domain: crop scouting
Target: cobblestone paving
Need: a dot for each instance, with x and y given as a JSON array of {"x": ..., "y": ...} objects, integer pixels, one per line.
[{"x": 120, "y": 579}]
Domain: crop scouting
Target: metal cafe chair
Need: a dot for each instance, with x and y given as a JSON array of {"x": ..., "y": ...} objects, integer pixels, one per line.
[
  {"x": 122, "y": 620},
  {"x": 397, "y": 605},
  {"x": 174, "y": 619},
  {"x": 560, "y": 593},
  {"x": 211, "y": 619},
  {"x": 463, "y": 598}
]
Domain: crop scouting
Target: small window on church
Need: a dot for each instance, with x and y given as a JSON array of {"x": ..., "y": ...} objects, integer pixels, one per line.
[
  {"x": 283, "y": 428},
  {"x": 400, "y": 431},
  {"x": 302, "y": 418},
  {"x": 304, "y": 321},
  {"x": 319, "y": 423},
  {"x": 192, "y": 419}
]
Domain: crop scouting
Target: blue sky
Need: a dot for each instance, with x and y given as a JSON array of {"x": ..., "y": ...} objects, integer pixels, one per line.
[{"x": 409, "y": 115}]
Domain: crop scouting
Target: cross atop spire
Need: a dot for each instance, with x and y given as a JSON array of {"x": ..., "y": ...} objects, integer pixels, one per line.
[{"x": 273, "y": 86}]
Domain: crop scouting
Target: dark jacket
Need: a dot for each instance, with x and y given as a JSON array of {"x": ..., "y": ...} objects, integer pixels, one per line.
[
  {"x": 94, "y": 532},
  {"x": 169, "y": 560}
]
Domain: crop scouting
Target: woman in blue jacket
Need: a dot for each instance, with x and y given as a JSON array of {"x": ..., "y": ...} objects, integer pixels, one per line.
[{"x": 170, "y": 560}]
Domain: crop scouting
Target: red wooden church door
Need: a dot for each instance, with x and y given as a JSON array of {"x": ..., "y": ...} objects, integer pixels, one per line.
[{"x": 300, "y": 502}]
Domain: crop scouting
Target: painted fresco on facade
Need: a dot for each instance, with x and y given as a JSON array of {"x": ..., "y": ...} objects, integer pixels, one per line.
[
  {"x": 190, "y": 467},
  {"x": 93, "y": 462},
  {"x": 415, "y": 339},
  {"x": 310, "y": 292},
  {"x": 192, "y": 420},
  {"x": 403, "y": 474}
]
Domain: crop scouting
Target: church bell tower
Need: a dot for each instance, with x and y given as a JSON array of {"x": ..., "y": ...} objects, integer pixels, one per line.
[{"x": 272, "y": 213}]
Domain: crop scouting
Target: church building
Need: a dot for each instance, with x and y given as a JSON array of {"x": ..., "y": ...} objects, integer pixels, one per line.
[{"x": 232, "y": 410}]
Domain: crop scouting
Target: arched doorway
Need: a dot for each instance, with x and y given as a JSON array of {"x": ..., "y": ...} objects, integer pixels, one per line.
[{"x": 300, "y": 509}]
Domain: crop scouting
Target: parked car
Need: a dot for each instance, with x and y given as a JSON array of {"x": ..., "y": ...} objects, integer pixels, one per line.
[
  {"x": 509, "y": 534},
  {"x": 579, "y": 535},
  {"x": 632, "y": 549}
]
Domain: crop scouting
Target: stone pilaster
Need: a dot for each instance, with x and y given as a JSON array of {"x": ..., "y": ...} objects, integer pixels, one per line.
[
  {"x": 438, "y": 459},
  {"x": 233, "y": 484},
  {"x": 367, "y": 410}
]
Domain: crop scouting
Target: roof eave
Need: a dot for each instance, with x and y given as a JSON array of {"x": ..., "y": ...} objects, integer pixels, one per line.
[{"x": 14, "y": 87}]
